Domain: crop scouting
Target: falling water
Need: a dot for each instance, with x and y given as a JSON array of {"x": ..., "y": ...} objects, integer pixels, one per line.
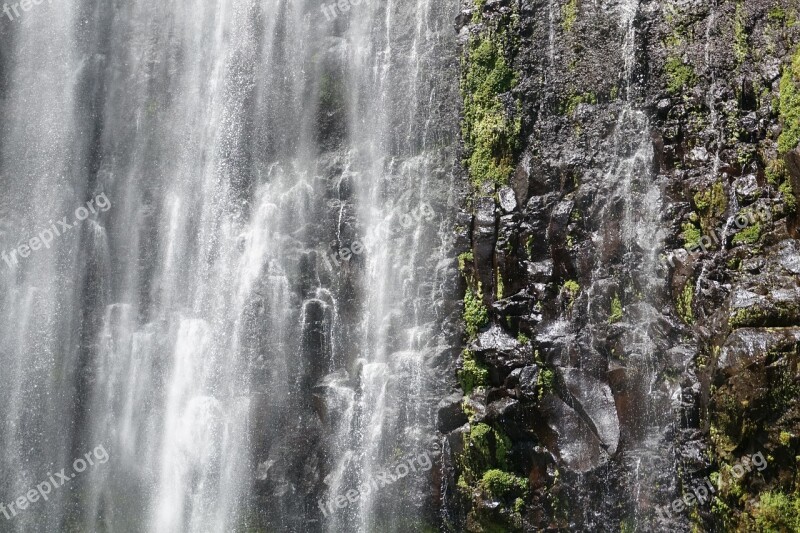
[
  {"x": 631, "y": 220},
  {"x": 208, "y": 325}
]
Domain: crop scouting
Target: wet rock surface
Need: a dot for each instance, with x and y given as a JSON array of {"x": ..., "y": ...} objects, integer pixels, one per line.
[{"x": 619, "y": 374}]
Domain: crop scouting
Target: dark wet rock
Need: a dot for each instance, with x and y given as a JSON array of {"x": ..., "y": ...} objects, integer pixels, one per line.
[
  {"x": 745, "y": 346},
  {"x": 593, "y": 399},
  {"x": 577, "y": 443},
  {"x": 583, "y": 346},
  {"x": 450, "y": 413}
]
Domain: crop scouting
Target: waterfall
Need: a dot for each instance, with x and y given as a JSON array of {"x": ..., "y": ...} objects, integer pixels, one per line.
[
  {"x": 219, "y": 317},
  {"x": 627, "y": 247}
]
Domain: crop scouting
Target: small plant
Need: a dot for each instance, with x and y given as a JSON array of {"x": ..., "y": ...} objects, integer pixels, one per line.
[
  {"x": 570, "y": 15},
  {"x": 571, "y": 288},
  {"x": 500, "y": 285},
  {"x": 740, "y": 34},
  {"x": 775, "y": 171},
  {"x": 498, "y": 483},
  {"x": 572, "y": 103},
  {"x": 523, "y": 339},
  {"x": 788, "y": 196},
  {"x": 475, "y": 313},
  {"x": 712, "y": 201},
  {"x": 473, "y": 374},
  {"x": 748, "y": 235},
  {"x": 789, "y": 106},
  {"x": 546, "y": 381},
  {"x": 477, "y": 14},
  {"x": 778, "y": 512},
  {"x": 679, "y": 75},
  {"x": 464, "y": 259},
  {"x": 616, "y": 310},
  {"x": 691, "y": 235},
  {"x": 684, "y": 303}
]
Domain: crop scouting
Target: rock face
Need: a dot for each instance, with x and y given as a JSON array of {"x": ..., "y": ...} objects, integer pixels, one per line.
[{"x": 631, "y": 266}]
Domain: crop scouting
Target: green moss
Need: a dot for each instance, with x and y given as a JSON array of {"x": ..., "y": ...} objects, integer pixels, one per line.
[
  {"x": 777, "y": 15},
  {"x": 572, "y": 288},
  {"x": 679, "y": 75},
  {"x": 473, "y": 373},
  {"x": 475, "y": 313},
  {"x": 500, "y": 285},
  {"x": 529, "y": 247},
  {"x": 500, "y": 484},
  {"x": 485, "y": 448},
  {"x": 546, "y": 381},
  {"x": 712, "y": 201},
  {"x": 777, "y": 512},
  {"x": 691, "y": 235},
  {"x": 574, "y": 100},
  {"x": 464, "y": 259},
  {"x": 477, "y": 14},
  {"x": 569, "y": 15},
  {"x": 740, "y": 34},
  {"x": 684, "y": 303},
  {"x": 616, "y": 310},
  {"x": 776, "y": 172},
  {"x": 490, "y": 136},
  {"x": 748, "y": 235},
  {"x": 789, "y": 197},
  {"x": 789, "y": 106},
  {"x": 523, "y": 339},
  {"x": 746, "y": 317}
]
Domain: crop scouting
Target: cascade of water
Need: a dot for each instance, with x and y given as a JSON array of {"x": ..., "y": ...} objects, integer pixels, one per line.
[
  {"x": 717, "y": 127},
  {"x": 196, "y": 329},
  {"x": 630, "y": 232}
]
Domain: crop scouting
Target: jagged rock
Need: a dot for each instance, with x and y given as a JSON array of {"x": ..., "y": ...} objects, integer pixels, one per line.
[
  {"x": 577, "y": 443},
  {"x": 594, "y": 400},
  {"x": 508, "y": 200},
  {"x": 744, "y": 346},
  {"x": 450, "y": 413},
  {"x": 529, "y": 381}
]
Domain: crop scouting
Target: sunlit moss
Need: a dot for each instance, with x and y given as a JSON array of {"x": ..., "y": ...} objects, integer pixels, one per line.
[
  {"x": 475, "y": 313},
  {"x": 473, "y": 373},
  {"x": 684, "y": 303},
  {"x": 570, "y": 15},
  {"x": 490, "y": 134},
  {"x": 748, "y": 235},
  {"x": 616, "y": 310},
  {"x": 679, "y": 75},
  {"x": 789, "y": 106},
  {"x": 501, "y": 484}
]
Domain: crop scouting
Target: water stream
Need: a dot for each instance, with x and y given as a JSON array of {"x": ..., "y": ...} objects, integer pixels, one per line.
[{"x": 219, "y": 316}]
